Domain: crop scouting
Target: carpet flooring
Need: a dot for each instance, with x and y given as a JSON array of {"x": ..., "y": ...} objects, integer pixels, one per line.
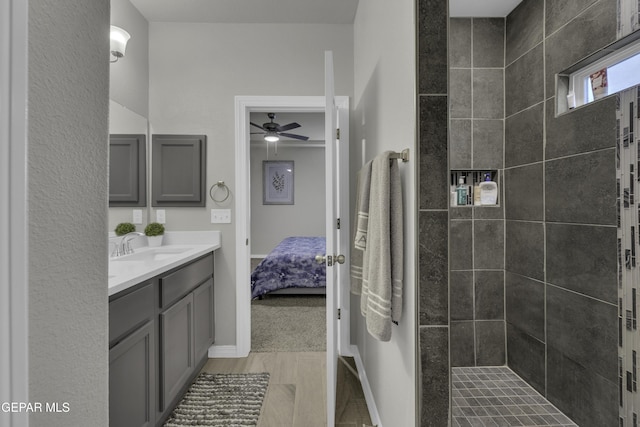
[
  {"x": 289, "y": 323},
  {"x": 221, "y": 400}
]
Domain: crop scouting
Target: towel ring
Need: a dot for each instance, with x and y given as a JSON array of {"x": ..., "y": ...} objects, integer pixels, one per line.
[{"x": 214, "y": 188}]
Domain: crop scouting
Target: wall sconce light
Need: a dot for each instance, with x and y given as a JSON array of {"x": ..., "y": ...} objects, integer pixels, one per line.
[{"x": 119, "y": 39}]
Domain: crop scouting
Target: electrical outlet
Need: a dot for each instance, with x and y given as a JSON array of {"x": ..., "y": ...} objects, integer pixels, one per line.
[
  {"x": 160, "y": 216},
  {"x": 220, "y": 216},
  {"x": 137, "y": 216}
]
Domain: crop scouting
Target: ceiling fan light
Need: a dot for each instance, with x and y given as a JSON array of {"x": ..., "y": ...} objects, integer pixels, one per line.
[{"x": 271, "y": 137}]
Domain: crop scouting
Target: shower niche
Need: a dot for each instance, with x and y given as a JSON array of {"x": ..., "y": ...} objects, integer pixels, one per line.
[{"x": 474, "y": 187}]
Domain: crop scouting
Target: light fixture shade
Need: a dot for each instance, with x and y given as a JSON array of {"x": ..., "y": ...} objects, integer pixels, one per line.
[
  {"x": 119, "y": 39},
  {"x": 271, "y": 136}
]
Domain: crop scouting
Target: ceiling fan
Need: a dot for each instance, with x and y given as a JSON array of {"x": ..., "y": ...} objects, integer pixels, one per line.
[{"x": 273, "y": 131}]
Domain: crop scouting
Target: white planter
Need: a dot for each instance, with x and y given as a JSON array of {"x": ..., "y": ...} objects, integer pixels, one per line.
[{"x": 154, "y": 241}]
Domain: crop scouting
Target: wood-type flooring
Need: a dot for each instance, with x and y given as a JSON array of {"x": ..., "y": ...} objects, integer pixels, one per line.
[{"x": 296, "y": 396}]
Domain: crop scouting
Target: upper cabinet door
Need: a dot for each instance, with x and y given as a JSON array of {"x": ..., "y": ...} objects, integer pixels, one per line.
[
  {"x": 178, "y": 170},
  {"x": 127, "y": 170}
]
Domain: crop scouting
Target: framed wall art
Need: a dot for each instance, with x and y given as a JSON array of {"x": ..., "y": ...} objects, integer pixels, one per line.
[{"x": 277, "y": 182}]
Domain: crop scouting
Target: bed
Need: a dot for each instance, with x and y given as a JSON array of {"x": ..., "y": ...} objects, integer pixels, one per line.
[{"x": 291, "y": 268}]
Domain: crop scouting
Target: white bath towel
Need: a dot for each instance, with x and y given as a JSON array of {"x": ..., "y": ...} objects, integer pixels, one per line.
[
  {"x": 361, "y": 222},
  {"x": 381, "y": 301}
]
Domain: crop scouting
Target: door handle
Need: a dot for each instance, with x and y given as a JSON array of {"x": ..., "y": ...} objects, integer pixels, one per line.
[{"x": 330, "y": 260}]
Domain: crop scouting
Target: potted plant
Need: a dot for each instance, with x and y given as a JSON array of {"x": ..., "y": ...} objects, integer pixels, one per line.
[
  {"x": 154, "y": 232},
  {"x": 124, "y": 228}
]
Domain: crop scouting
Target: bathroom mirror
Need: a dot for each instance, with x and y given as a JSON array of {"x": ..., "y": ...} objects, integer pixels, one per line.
[{"x": 123, "y": 121}]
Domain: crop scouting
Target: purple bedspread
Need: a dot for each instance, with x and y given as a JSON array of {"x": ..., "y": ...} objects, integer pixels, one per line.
[{"x": 291, "y": 264}]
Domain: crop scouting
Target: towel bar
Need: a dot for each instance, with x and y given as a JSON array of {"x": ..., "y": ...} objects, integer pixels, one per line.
[{"x": 404, "y": 155}]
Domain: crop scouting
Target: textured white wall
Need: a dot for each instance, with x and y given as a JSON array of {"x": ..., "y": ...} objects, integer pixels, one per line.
[
  {"x": 384, "y": 118},
  {"x": 67, "y": 173},
  {"x": 196, "y": 70},
  {"x": 306, "y": 217}
]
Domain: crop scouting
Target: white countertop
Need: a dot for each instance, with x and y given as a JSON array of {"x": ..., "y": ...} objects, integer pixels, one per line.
[{"x": 178, "y": 248}]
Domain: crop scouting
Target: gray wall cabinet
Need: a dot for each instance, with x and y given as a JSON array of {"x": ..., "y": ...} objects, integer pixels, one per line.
[
  {"x": 178, "y": 170},
  {"x": 127, "y": 170},
  {"x": 159, "y": 334}
]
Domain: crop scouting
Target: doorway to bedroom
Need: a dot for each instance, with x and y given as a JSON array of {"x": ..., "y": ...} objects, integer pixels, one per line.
[
  {"x": 287, "y": 227},
  {"x": 321, "y": 365}
]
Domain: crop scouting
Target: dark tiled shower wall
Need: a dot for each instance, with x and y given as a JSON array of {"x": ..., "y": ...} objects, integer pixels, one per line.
[
  {"x": 433, "y": 276},
  {"x": 476, "y": 60},
  {"x": 560, "y": 213}
]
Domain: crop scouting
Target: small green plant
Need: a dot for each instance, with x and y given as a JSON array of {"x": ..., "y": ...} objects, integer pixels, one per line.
[
  {"x": 154, "y": 229},
  {"x": 124, "y": 228}
]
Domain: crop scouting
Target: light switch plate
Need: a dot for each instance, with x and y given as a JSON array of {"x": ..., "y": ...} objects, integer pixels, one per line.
[
  {"x": 137, "y": 216},
  {"x": 220, "y": 216},
  {"x": 160, "y": 217}
]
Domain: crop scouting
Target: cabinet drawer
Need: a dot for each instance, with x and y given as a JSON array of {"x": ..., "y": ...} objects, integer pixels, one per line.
[
  {"x": 177, "y": 284},
  {"x": 129, "y": 311}
]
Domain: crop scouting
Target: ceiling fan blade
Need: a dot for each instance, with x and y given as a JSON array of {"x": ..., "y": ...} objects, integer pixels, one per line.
[
  {"x": 288, "y": 127},
  {"x": 258, "y": 126},
  {"x": 257, "y": 133},
  {"x": 294, "y": 136}
]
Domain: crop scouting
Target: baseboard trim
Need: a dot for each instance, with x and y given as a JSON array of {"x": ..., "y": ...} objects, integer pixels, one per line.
[
  {"x": 222, "y": 351},
  {"x": 366, "y": 388}
]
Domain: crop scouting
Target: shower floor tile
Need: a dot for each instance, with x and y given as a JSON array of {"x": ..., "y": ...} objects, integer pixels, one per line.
[{"x": 496, "y": 396}]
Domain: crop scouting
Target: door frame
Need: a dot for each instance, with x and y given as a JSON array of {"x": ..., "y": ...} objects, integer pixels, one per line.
[
  {"x": 14, "y": 291},
  {"x": 244, "y": 106}
]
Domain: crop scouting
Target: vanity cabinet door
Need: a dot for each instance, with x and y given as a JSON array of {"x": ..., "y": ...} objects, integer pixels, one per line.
[
  {"x": 177, "y": 358},
  {"x": 203, "y": 318},
  {"x": 132, "y": 379}
]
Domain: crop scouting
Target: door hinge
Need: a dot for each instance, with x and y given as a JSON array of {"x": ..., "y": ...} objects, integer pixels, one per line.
[
  {"x": 338, "y": 133},
  {"x": 338, "y": 223},
  {"x": 339, "y": 314},
  {"x": 247, "y": 243}
]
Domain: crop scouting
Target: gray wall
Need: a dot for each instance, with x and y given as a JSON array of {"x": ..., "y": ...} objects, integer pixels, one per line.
[
  {"x": 433, "y": 259},
  {"x": 476, "y": 64},
  {"x": 306, "y": 217},
  {"x": 192, "y": 91},
  {"x": 384, "y": 94},
  {"x": 67, "y": 175},
  {"x": 560, "y": 194}
]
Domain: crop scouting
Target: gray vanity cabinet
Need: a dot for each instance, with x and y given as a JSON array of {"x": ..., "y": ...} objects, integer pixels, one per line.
[
  {"x": 203, "y": 319},
  {"x": 176, "y": 337},
  {"x": 159, "y": 334},
  {"x": 132, "y": 357},
  {"x": 186, "y": 326},
  {"x": 132, "y": 379}
]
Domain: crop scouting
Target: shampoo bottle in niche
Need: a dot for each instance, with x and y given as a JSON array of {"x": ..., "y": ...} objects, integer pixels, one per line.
[
  {"x": 453, "y": 195},
  {"x": 461, "y": 192},
  {"x": 488, "y": 191},
  {"x": 476, "y": 191}
]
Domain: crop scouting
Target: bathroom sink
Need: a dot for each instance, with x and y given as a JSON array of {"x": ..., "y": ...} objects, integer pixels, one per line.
[{"x": 156, "y": 254}]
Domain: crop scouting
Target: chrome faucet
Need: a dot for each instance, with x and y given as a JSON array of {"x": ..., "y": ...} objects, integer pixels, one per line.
[{"x": 124, "y": 248}]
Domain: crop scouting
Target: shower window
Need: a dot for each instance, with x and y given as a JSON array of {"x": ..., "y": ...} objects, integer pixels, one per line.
[{"x": 613, "y": 73}]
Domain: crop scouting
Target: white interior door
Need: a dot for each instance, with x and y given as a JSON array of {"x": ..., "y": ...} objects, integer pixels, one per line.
[{"x": 332, "y": 237}]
